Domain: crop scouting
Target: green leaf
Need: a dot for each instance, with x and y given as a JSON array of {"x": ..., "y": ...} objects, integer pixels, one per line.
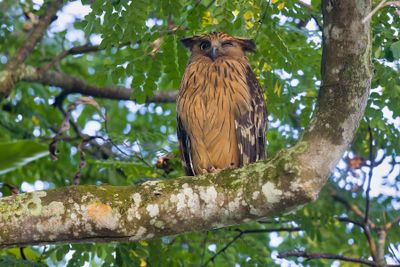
[
  {"x": 16, "y": 154},
  {"x": 117, "y": 73},
  {"x": 395, "y": 47},
  {"x": 7, "y": 261}
]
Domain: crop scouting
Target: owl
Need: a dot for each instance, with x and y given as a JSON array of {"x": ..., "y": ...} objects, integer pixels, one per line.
[{"x": 221, "y": 112}]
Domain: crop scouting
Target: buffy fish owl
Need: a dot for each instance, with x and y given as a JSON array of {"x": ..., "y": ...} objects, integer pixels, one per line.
[{"x": 221, "y": 112}]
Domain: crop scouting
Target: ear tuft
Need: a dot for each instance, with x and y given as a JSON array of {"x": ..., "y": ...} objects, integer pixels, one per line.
[
  {"x": 188, "y": 42},
  {"x": 248, "y": 45}
]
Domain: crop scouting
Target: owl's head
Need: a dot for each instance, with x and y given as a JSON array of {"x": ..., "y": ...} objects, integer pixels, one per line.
[{"x": 218, "y": 44}]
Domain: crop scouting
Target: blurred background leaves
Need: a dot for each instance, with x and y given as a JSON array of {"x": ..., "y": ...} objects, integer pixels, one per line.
[{"x": 137, "y": 46}]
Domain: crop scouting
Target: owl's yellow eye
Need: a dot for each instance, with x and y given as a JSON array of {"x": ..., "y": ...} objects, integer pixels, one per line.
[{"x": 205, "y": 45}]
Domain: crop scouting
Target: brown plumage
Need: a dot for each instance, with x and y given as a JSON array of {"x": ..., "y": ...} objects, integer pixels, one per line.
[{"x": 221, "y": 113}]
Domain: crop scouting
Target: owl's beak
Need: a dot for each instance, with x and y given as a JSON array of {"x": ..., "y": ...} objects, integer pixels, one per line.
[{"x": 214, "y": 53}]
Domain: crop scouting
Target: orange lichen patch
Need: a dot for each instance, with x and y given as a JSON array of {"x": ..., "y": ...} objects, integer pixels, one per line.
[
  {"x": 98, "y": 209},
  {"x": 103, "y": 215}
]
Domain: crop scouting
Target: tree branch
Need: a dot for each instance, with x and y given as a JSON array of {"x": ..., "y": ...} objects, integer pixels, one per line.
[
  {"x": 83, "y": 49},
  {"x": 382, "y": 4},
  {"x": 7, "y": 76},
  {"x": 74, "y": 85},
  {"x": 270, "y": 230},
  {"x": 348, "y": 220},
  {"x": 393, "y": 254},
  {"x": 329, "y": 256},
  {"x": 366, "y": 226},
  {"x": 381, "y": 247},
  {"x": 395, "y": 221},
  {"x": 312, "y": 12},
  {"x": 371, "y": 242},
  {"x": 153, "y": 209},
  {"x": 263, "y": 189},
  {"x": 72, "y": 51},
  {"x": 354, "y": 208}
]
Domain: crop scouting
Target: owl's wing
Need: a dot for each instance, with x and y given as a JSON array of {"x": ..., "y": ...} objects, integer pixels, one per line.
[
  {"x": 184, "y": 144},
  {"x": 251, "y": 125}
]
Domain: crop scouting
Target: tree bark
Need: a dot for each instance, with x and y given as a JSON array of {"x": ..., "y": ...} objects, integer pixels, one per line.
[
  {"x": 7, "y": 77},
  {"x": 263, "y": 189}
]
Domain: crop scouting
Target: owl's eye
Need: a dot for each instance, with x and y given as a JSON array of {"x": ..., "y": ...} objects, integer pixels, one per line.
[
  {"x": 227, "y": 44},
  {"x": 205, "y": 45}
]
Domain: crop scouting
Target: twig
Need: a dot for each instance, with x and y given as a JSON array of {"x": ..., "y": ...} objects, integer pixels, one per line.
[
  {"x": 272, "y": 230},
  {"x": 87, "y": 48},
  {"x": 366, "y": 226},
  {"x": 71, "y": 121},
  {"x": 139, "y": 157},
  {"x": 354, "y": 208},
  {"x": 371, "y": 168},
  {"x": 395, "y": 3},
  {"x": 382, "y": 4},
  {"x": 382, "y": 234},
  {"x": 378, "y": 162},
  {"x": 368, "y": 17},
  {"x": 371, "y": 242},
  {"x": 223, "y": 249},
  {"x": 393, "y": 164},
  {"x": 313, "y": 14},
  {"x": 381, "y": 246},
  {"x": 85, "y": 139},
  {"x": 21, "y": 251},
  {"x": 312, "y": 256},
  {"x": 345, "y": 219},
  {"x": 42, "y": 253},
  {"x": 251, "y": 231},
  {"x": 367, "y": 233},
  {"x": 389, "y": 225},
  {"x": 393, "y": 253}
]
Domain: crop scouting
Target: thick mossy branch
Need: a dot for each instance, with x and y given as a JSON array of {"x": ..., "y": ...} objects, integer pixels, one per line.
[
  {"x": 346, "y": 72},
  {"x": 264, "y": 189},
  {"x": 156, "y": 208}
]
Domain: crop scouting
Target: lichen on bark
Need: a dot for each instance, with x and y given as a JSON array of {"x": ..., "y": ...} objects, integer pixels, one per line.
[{"x": 153, "y": 208}]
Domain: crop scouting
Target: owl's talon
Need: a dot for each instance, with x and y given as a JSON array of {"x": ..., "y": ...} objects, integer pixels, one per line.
[
  {"x": 212, "y": 169},
  {"x": 204, "y": 171}
]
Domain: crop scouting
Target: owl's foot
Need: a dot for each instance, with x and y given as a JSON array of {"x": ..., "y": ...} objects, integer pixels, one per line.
[{"x": 212, "y": 169}]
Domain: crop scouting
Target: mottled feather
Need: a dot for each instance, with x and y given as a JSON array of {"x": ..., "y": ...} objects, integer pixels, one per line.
[
  {"x": 185, "y": 149},
  {"x": 221, "y": 114},
  {"x": 250, "y": 126}
]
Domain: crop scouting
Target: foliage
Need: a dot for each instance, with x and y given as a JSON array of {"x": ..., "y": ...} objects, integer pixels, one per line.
[{"x": 139, "y": 48}]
